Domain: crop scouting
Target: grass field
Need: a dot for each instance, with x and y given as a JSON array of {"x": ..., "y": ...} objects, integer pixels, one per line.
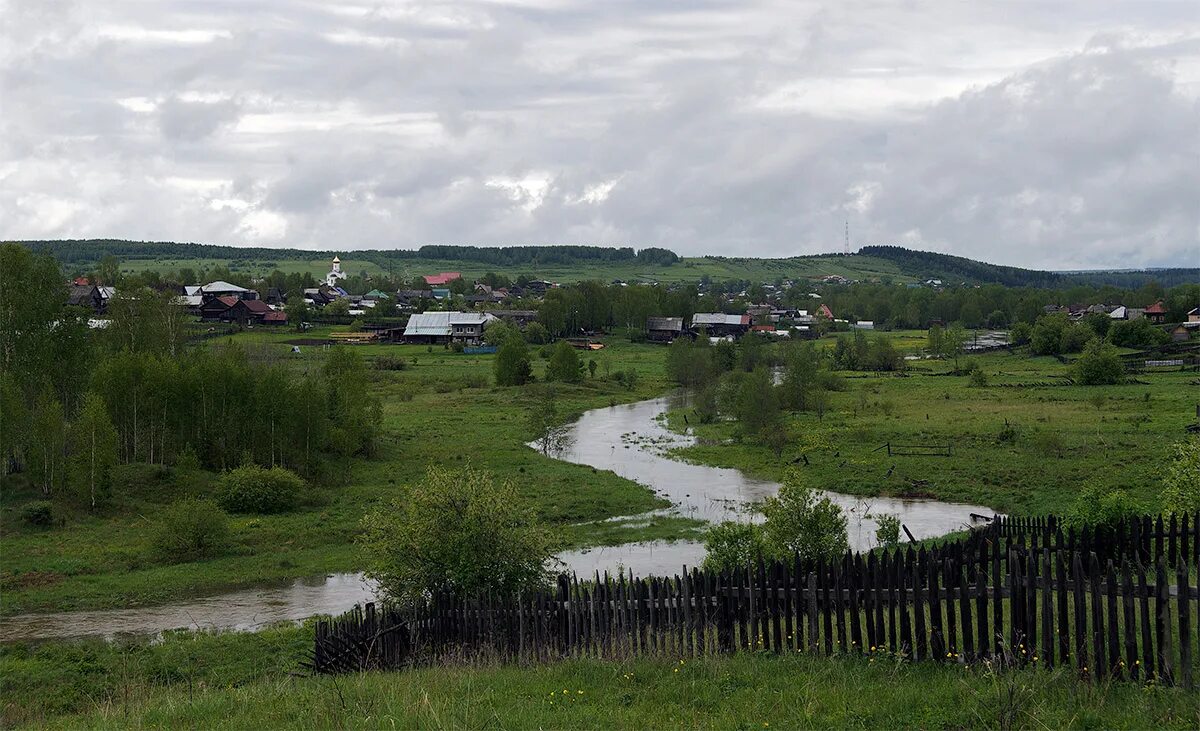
[
  {"x": 685, "y": 270},
  {"x": 245, "y": 681},
  {"x": 440, "y": 410},
  {"x": 1017, "y": 449}
]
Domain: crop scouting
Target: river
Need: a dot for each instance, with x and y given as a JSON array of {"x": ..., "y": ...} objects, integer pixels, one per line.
[{"x": 629, "y": 439}]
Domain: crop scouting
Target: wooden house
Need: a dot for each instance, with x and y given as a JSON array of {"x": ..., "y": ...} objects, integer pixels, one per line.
[{"x": 663, "y": 329}]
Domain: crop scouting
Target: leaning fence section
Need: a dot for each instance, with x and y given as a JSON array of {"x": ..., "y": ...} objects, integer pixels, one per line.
[{"x": 1120, "y": 603}]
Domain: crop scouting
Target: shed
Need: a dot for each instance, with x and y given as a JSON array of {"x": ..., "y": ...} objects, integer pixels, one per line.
[{"x": 663, "y": 329}]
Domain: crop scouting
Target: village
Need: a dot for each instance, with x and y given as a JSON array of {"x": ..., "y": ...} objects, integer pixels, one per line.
[{"x": 453, "y": 312}]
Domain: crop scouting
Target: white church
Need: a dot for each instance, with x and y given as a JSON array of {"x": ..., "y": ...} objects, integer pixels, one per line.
[{"x": 336, "y": 273}]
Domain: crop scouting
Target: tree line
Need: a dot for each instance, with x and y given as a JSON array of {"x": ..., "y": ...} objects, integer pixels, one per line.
[{"x": 76, "y": 401}]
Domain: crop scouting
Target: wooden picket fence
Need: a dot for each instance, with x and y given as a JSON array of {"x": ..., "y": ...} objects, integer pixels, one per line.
[{"x": 1020, "y": 591}]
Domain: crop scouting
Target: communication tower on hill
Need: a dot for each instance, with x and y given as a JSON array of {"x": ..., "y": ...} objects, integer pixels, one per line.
[{"x": 847, "y": 248}]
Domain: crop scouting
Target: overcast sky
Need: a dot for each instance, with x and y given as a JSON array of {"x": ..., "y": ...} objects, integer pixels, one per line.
[{"x": 1043, "y": 134}]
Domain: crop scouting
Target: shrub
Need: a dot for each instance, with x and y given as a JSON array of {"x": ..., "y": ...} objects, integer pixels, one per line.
[
  {"x": 800, "y": 522},
  {"x": 1099, "y": 365},
  {"x": 1100, "y": 506},
  {"x": 536, "y": 333},
  {"x": 1139, "y": 333},
  {"x": 188, "y": 461},
  {"x": 191, "y": 529},
  {"x": 730, "y": 545},
  {"x": 254, "y": 489},
  {"x": 564, "y": 364},
  {"x": 1181, "y": 478},
  {"x": 390, "y": 363},
  {"x": 887, "y": 530},
  {"x": 456, "y": 530},
  {"x": 977, "y": 378},
  {"x": 38, "y": 513},
  {"x": 511, "y": 365}
]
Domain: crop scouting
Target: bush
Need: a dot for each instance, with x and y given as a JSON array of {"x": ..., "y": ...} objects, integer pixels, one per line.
[
  {"x": 1099, "y": 365},
  {"x": 536, "y": 333},
  {"x": 977, "y": 378},
  {"x": 800, "y": 522},
  {"x": 1139, "y": 333},
  {"x": 191, "y": 529},
  {"x": 390, "y": 363},
  {"x": 1181, "y": 478},
  {"x": 730, "y": 545},
  {"x": 1100, "y": 506},
  {"x": 460, "y": 531},
  {"x": 564, "y": 364},
  {"x": 887, "y": 530},
  {"x": 38, "y": 513},
  {"x": 254, "y": 489},
  {"x": 512, "y": 367}
]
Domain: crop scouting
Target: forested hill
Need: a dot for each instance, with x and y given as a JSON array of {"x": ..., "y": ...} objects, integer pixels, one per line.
[
  {"x": 954, "y": 269},
  {"x": 569, "y": 263},
  {"x": 80, "y": 251}
]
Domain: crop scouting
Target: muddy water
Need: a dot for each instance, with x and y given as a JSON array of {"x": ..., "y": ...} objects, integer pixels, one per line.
[{"x": 629, "y": 440}]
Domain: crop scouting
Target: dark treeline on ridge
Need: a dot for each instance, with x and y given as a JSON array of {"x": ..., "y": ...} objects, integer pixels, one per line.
[
  {"x": 927, "y": 264},
  {"x": 80, "y": 253}
]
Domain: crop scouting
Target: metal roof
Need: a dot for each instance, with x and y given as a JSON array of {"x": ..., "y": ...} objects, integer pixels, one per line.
[
  {"x": 719, "y": 318},
  {"x": 220, "y": 286},
  {"x": 441, "y": 323}
]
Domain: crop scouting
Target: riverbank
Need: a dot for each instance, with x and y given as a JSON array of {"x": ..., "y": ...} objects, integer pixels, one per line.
[
  {"x": 1021, "y": 444},
  {"x": 440, "y": 409},
  {"x": 246, "y": 681}
]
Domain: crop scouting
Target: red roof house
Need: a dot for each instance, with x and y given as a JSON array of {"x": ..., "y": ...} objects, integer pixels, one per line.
[
  {"x": 1156, "y": 312},
  {"x": 824, "y": 311},
  {"x": 441, "y": 280},
  {"x": 275, "y": 318}
]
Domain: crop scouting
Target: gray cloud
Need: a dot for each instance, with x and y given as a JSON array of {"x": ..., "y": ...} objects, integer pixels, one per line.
[{"x": 1052, "y": 135}]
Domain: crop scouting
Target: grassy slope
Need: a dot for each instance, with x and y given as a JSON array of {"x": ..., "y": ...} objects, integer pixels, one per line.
[
  {"x": 1065, "y": 435},
  {"x": 432, "y": 415},
  {"x": 686, "y": 270},
  {"x": 242, "y": 681}
]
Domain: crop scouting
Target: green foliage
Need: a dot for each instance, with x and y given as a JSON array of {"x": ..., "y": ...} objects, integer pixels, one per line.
[
  {"x": 1098, "y": 505},
  {"x": 456, "y": 530},
  {"x": 750, "y": 398},
  {"x": 564, "y": 364},
  {"x": 887, "y": 530},
  {"x": 254, "y": 489},
  {"x": 1139, "y": 333},
  {"x": 857, "y": 352},
  {"x": 188, "y": 530},
  {"x": 691, "y": 363},
  {"x": 806, "y": 379},
  {"x": 976, "y": 378},
  {"x": 536, "y": 334},
  {"x": 511, "y": 365},
  {"x": 1181, "y": 478},
  {"x": 389, "y": 362},
  {"x": 498, "y": 331},
  {"x": 38, "y": 513},
  {"x": 1099, "y": 365},
  {"x": 94, "y": 453},
  {"x": 1021, "y": 333},
  {"x": 730, "y": 545},
  {"x": 799, "y": 521}
]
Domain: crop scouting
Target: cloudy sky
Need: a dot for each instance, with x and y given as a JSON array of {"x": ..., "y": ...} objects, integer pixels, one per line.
[{"x": 1050, "y": 134}]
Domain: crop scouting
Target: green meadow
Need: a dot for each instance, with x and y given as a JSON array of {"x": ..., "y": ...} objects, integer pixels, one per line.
[
  {"x": 1025, "y": 443},
  {"x": 248, "y": 681}
]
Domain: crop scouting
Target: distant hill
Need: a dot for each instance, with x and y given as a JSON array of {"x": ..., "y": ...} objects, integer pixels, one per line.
[
  {"x": 954, "y": 269},
  {"x": 571, "y": 263}
]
